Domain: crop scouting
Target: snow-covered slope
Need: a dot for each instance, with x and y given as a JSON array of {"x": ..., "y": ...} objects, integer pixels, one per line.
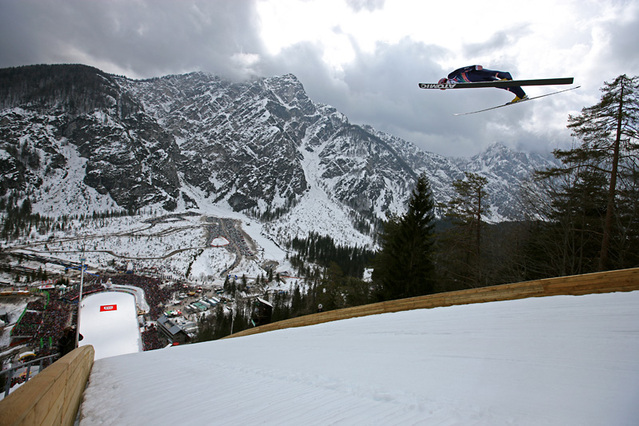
[
  {"x": 78, "y": 140},
  {"x": 561, "y": 360},
  {"x": 109, "y": 323}
]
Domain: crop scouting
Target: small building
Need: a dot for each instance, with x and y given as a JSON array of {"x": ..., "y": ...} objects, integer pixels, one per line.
[
  {"x": 212, "y": 301},
  {"x": 262, "y": 312},
  {"x": 174, "y": 330}
]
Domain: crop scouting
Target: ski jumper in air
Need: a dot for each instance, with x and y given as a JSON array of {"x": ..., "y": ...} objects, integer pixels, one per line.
[{"x": 474, "y": 73}]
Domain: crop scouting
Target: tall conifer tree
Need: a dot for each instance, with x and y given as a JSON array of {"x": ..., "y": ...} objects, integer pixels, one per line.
[
  {"x": 601, "y": 175},
  {"x": 463, "y": 258},
  {"x": 404, "y": 266}
]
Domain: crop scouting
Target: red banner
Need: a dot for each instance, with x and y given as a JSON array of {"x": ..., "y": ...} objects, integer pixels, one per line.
[{"x": 106, "y": 308}]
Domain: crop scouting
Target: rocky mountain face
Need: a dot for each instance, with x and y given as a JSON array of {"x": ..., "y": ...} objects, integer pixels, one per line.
[
  {"x": 195, "y": 140},
  {"x": 46, "y": 110}
]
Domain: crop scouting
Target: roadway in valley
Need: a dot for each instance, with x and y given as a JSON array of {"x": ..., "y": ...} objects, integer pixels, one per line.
[{"x": 239, "y": 242}]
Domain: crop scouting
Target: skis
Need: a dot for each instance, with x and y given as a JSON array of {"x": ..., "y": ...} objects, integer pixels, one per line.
[
  {"x": 519, "y": 102},
  {"x": 498, "y": 83}
]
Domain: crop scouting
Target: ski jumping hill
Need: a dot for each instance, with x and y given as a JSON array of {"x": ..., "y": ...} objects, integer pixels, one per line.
[
  {"x": 554, "y": 361},
  {"x": 495, "y": 356}
]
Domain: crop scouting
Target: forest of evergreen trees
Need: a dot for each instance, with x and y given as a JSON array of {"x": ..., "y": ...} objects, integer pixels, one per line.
[
  {"x": 321, "y": 250},
  {"x": 19, "y": 219},
  {"x": 80, "y": 88}
]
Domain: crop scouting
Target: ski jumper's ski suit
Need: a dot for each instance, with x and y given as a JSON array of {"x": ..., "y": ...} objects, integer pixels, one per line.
[{"x": 478, "y": 73}]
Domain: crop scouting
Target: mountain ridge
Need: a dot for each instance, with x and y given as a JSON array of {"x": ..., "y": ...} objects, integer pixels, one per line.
[{"x": 195, "y": 140}]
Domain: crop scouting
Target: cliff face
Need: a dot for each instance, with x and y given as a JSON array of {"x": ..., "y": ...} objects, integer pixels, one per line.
[
  {"x": 47, "y": 109},
  {"x": 195, "y": 140}
]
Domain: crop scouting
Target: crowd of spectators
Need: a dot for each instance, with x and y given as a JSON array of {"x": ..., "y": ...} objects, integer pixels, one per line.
[
  {"x": 56, "y": 318},
  {"x": 156, "y": 294},
  {"x": 91, "y": 286},
  {"x": 28, "y": 323},
  {"x": 45, "y": 320},
  {"x": 36, "y": 305},
  {"x": 42, "y": 324},
  {"x": 151, "y": 338}
]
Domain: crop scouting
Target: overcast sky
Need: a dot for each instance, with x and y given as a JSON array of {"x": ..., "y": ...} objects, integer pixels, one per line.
[{"x": 364, "y": 57}]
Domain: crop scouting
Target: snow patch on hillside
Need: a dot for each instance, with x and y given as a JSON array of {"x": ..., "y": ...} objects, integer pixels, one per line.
[{"x": 317, "y": 212}]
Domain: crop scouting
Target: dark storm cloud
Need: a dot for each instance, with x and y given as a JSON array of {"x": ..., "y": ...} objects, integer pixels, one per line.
[
  {"x": 157, "y": 37},
  {"x": 382, "y": 83},
  {"x": 144, "y": 38}
]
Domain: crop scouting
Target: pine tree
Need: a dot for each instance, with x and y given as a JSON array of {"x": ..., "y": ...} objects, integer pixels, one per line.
[
  {"x": 599, "y": 185},
  {"x": 469, "y": 205},
  {"x": 609, "y": 134},
  {"x": 404, "y": 266},
  {"x": 462, "y": 261}
]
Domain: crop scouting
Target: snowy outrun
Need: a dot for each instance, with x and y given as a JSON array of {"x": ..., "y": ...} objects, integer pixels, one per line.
[
  {"x": 563, "y": 360},
  {"x": 109, "y": 323}
]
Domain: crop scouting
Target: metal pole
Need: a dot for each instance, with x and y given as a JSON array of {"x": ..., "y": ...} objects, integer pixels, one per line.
[
  {"x": 232, "y": 318},
  {"x": 7, "y": 386},
  {"x": 77, "y": 322},
  {"x": 9, "y": 373}
]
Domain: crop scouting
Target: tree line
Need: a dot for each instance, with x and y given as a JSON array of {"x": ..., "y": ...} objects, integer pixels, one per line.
[
  {"x": 582, "y": 216},
  {"x": 322, "y": 250},
  {"x": 20, "y": 220}
]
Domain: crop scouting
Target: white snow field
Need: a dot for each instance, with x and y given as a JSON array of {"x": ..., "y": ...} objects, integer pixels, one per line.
[
  {"x": 109, "y": 322},
  {"x": 563, "y": 360}
]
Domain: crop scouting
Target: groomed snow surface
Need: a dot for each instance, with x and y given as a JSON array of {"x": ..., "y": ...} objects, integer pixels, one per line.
[
  {"x": 108, "y": 321},
  {"x": 561, "y": 360}
]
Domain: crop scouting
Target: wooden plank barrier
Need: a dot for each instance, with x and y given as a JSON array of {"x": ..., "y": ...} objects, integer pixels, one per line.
[
  {"x": 53, "y": 396},
  {"x": 576, "y": 285}
]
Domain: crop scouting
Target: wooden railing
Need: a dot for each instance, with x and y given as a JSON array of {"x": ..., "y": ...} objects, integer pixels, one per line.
[
  {"x": 53, "y": 396},
  {"x": 600, "y": 282},
  {"x": 38, "y": 363}
]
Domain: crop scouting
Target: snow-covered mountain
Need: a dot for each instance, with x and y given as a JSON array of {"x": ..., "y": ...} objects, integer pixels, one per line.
[{"x": 76, "y": 139}]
